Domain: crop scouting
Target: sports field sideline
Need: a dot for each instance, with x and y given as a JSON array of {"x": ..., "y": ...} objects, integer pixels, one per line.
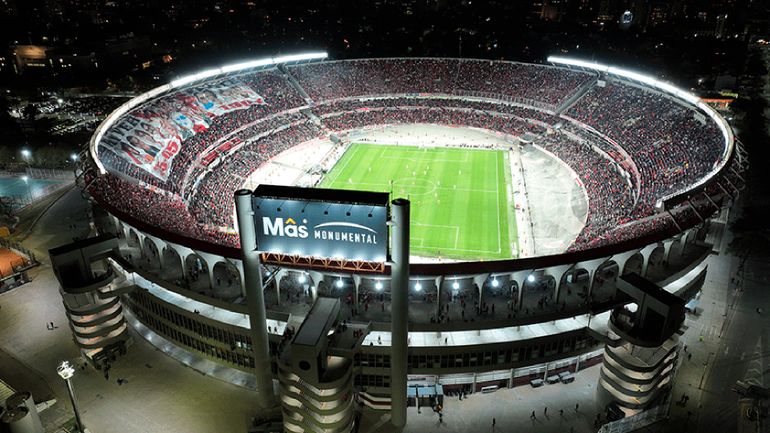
[{"x": 460, "y": 206}]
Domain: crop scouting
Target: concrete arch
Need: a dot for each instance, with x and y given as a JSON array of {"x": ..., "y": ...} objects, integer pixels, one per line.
[
  {"x": 133, "y": 239},
  {"x": 499, "y": 285},
  {"x": 634, "y": 264},
  {"x": 196, "y": 270},
  {"x": 153, "y": 248},
  {"x": 689, "y": 235},
  {"x": 423, "y": 295},
  {"x": 320, "y": 289},
  {"x": 646, "y": 252},
  {"x": 422, "y": 288},
  {"x": 556, "y": 273},
  {"x": 371, "y": 285},
  {"x": 609, "y": 270},
  {"x": 339, "y": 286},
  {"x": 574, "y": 286},
  {"x": 675, "y": 248},
  {"x": 537, "y": 292},
  {"x": 227, "y": 280},
  {"x": 120, "y": 229},
  {"x": 451, "y": 290},
  {"x": 171, "y": 263},
  {"x": 290, "y": 287},
  {"x": 657, "y": 257},
  {"x": 151, "y": 254},
  {"x": 605, "y": 280}
]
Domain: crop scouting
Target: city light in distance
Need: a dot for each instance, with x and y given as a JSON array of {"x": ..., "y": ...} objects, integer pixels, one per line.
[{"x": 378, "y": 285}]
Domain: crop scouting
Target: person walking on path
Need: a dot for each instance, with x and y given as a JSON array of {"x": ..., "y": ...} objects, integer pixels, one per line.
[
  {"x": 545, "y": 412},
  {"x": 576, "y": 406},
  {"x": 494, "y": 421},
  {"x": 533, "y": 417}
]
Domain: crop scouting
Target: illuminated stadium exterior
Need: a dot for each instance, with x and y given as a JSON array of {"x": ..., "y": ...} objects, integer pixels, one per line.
[{"x": 659, "y": 169}]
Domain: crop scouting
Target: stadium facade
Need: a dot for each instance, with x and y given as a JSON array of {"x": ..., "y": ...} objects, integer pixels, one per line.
[{"x": 660, "y": 170}]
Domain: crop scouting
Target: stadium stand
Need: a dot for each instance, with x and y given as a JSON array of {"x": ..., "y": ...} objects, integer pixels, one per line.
[{"x": 629, "y": 145}]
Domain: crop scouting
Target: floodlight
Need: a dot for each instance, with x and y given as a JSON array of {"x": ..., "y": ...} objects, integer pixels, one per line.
[{"x": 65, "y": 370}]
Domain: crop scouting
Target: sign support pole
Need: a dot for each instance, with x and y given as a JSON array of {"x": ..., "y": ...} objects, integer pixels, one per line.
[
  {"x": 255, "y": 300},
  {"x": 399, "y": 309}
]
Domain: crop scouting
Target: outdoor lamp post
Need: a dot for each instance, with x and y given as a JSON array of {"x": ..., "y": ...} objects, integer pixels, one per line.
[
  {"x": 27, "y": 155},
  {"x": 29, "y": 189},
  {"x": 66, "y": 371}
]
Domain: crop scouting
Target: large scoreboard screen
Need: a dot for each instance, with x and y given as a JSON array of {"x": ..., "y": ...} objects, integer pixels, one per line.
[{"x": 321, "y": 223}]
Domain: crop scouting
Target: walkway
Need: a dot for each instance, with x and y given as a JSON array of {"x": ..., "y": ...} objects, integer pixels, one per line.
[
  {"x": 510, "y": 407},
  {"x": 160, "y": 396}
]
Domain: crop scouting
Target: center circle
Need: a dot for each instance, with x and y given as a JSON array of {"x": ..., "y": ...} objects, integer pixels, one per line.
[{"x": 413, "y": 186}]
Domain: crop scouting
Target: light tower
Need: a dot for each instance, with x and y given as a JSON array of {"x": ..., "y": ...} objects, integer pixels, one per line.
[{"x": 66, "y": 371}]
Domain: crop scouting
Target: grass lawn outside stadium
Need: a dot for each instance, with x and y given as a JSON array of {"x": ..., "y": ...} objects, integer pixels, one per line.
[{"x": 460, "y": 206}]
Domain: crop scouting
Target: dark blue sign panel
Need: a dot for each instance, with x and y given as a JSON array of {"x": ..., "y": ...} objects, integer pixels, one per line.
[{"x": 305, "y": 222}]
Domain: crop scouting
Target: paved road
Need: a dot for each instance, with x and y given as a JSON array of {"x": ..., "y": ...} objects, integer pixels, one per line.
[{"x": 161, "y": 395}]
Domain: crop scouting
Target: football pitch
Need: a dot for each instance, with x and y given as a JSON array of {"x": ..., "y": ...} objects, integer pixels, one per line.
[{"x": 460, "y": 207}]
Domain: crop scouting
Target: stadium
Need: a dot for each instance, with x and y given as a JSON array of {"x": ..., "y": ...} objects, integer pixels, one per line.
[{"x": 534, "y": 188}]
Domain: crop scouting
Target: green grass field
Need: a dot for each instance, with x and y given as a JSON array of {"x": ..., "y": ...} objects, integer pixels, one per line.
[{"x": 460, "y": 208}]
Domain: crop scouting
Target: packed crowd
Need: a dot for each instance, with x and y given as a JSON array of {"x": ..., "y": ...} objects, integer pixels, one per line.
[
  {"x": 610, "y": 198},
  {"x": 440, "y": 116},
  {"x": 213, "y": 202},
  {"x": 278, "y": 97},
  {"x": 670, "y": 146},
  {"x": 344, "y": 105},
  {"x": 345, "y": 79},
  {"x": 152, "y": 207}
]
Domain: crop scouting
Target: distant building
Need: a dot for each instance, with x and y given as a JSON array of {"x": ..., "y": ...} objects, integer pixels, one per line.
[
  {"x": 29, "y": 57},
  {"x": 64, "y": 60},
  {"x": 41, "y": 58}
]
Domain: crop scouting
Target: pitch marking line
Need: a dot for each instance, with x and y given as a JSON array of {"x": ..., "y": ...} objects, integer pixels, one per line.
[
  {"x": 429, "y": 248},
  {"x": 419, "y": 243},
  {"x": 344, "y": 166},
  {"x": 456, "y": 229},
  {"x": 489, "y": 191},
  {"x": 426, "y": 156}
]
